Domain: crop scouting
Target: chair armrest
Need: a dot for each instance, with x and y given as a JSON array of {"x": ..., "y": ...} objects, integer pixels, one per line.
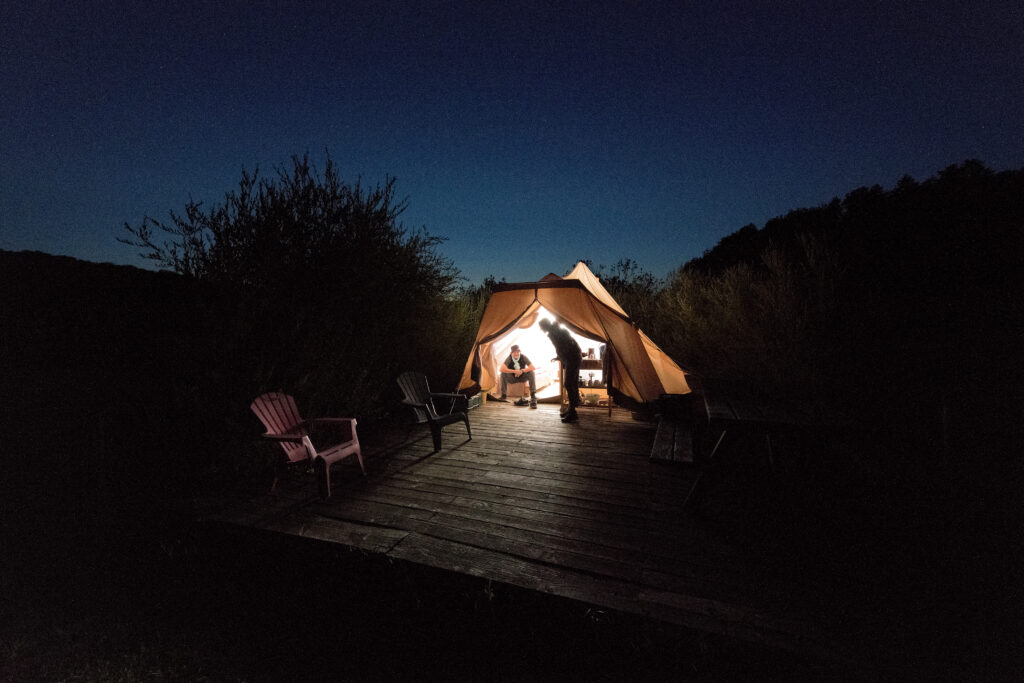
[
  {"x": 295, "y": 438},
  {"x": 454, "y": 396},
  {"x": 344, "y": 426},
  {"x": 417, "y": 404},
  {"x": 332, "y": 420}
]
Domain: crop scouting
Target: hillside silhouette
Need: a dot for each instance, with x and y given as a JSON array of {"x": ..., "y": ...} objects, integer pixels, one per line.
[{"x": 903, "y": 306}]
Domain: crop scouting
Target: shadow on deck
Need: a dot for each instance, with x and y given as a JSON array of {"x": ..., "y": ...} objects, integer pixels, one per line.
[{"x": 573, "y": 510}]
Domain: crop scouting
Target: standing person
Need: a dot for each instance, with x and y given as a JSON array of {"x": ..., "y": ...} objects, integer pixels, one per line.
[
  {"x": 569, "y": 354},
  {"x": 517, "y": 368}
]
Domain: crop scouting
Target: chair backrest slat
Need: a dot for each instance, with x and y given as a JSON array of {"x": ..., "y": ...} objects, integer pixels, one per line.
[
  {"x": 280, "y": 415},
  {"x": 415, "y": 387}
]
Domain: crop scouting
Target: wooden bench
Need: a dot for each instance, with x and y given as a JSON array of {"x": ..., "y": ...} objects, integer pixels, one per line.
[{"x": 673, "y": 440}]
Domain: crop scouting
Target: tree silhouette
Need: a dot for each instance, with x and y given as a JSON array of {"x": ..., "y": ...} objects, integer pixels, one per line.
[{"x": 319, "y": 288}]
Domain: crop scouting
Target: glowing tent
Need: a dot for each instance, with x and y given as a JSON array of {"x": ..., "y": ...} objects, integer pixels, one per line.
[{"x": 634, "y": 368}]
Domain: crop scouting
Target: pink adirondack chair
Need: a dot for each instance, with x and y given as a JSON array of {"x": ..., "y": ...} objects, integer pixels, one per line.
[{"x": 280, "y": 416}]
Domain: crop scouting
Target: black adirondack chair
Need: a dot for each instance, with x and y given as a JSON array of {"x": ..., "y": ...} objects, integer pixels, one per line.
[{"x": 418, "y": 395}]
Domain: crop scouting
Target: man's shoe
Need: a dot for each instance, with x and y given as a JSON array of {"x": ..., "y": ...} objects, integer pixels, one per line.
[
  {"x": 521, "y": 402},
  {"x": 502, "y": 399},
  {"x": 533, "y": 403},
  {"x": 570, "y": 417}
]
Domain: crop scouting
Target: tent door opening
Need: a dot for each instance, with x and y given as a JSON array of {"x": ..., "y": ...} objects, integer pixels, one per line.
[{"x": 535, "y": 345}]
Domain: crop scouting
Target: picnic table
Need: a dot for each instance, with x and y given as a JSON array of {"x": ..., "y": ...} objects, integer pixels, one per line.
[{"x": 728, "y": 411}]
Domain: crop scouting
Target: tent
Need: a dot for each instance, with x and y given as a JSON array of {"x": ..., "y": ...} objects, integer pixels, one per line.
[{"x": 635, "y": 370}]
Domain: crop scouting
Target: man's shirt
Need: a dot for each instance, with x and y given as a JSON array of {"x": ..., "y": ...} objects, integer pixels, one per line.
[{"x": 510, "y": 362}]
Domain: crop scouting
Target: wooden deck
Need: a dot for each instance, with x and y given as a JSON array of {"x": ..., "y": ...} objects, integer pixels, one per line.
[{"x": 574, "y": 510}]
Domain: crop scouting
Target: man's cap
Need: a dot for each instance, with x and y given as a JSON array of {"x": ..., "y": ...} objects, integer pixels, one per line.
[{"x": 515, "y": 347}]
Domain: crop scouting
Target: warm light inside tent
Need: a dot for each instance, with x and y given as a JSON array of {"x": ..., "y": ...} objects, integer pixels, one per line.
[
  {"x": 534, "y": 343},
  {"x": 641, "y": 372}
]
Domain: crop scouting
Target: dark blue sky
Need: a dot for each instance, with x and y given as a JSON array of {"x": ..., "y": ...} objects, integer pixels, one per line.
[{"x": 530, "y": 134}]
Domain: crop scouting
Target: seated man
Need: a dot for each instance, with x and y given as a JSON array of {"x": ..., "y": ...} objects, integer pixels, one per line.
[{"x": 517, "y": 368}]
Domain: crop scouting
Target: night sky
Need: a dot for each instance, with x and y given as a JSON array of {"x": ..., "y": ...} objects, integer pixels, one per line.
[{"x": 530, "y": 134}]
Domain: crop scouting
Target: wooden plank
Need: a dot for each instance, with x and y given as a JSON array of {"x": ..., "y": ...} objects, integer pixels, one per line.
[
  {"x": 597, "y": 510},
  {"x": 452, "y": 556},
  {"x": 632, "y": 478},
  {"x": 654, "y": 499},
  {"x": 658, "y": 481},
  {"x": 509, "y": 511},
  {"x": 549, "y": 502},
  {"x": 378, "y": 514},
  {"x": 673, "y": 442},
  {"x": 541, "y": 529},
  {"x": 561, "y": 476},
  {"x": 663, "y": 440},
  {"x": 502, "y": 541},
  {"x": 701, "y": 613},
  {"x": 590, "y": 464},
  {"x": 718, "y": 409},
  {"x": 585, "y": 558},
  {"x": 579, "y": 555},
  {"x": 651, "y": 516},
  {"x": 612, "y": 455},
  {"x": 556, "y": 465},
  {"x": 610, "y": 451},
  {"x": 593, "y": 427},
  {"x": 601, "y": 533},
  {"x": 682, "y": 445},
  {"x": 552, "y": 484},
  {"x": 540, "y": 443},
  {"x": 536, "y": 530},
  {"x": 307, "y": 524},
  {"x": 468, "y": 528}
]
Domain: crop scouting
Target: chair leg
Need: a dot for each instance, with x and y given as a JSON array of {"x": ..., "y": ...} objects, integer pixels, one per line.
[
  {"x": 323, "y": 477},
  {"x": 359, "y": 456},
  {"x": 718, "y": 445},
  {"x": 693, "y": 495},
  {"x": 465, "y": 418},
  {"x": 435, "y": 433},
  {"x": 280, "y": 469}
]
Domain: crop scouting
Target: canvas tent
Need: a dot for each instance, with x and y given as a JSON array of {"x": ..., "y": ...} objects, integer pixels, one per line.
[{"x": 637, "y": 370}]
